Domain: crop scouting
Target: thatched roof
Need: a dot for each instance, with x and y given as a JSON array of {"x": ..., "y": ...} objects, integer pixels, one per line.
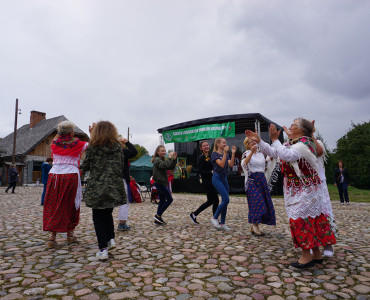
[{"x": 28, "y": 138}]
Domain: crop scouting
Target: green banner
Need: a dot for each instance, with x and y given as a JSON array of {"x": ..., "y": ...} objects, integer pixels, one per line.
[{"x": 203, "y": 132}]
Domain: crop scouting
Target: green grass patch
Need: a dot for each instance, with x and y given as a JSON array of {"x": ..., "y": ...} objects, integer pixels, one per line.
[{"x": 354, "y": 194}]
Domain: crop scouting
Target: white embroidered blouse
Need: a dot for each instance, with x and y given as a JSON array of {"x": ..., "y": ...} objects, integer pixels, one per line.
[{"x": 301, "y": 201}]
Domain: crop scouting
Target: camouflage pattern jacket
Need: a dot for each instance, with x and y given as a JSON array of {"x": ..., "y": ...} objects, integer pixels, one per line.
[
  {"x": 160, "y": 167},
  {"x": 105, "y": 188}
]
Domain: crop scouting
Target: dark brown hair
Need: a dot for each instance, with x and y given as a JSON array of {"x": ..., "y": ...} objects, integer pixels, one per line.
[
  {"x": 202, "y": 142},
  {"x": 340, "y": 161},
  {"x": 104, "y": 133}
]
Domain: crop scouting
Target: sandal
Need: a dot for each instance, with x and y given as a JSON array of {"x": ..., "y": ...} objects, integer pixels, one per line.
[
  {"x": 71, "y": 238},
  {"x": 256, "y": 233},
  {"x": 52, "y": 242}
]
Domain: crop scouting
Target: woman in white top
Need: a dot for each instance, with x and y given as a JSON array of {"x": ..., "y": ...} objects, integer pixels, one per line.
[
  {"x": 261, "y": 208},
  {"x": 304, "y": 193}
]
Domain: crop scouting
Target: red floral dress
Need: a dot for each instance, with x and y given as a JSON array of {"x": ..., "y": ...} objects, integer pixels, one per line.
[{"x": 304, "y": 197}]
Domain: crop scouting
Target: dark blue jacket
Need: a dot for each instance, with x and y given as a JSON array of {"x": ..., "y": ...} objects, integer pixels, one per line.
[
  {"x": 337, "y": 174},
  {"x": 45, "y": 169},
  {"x": 12, "y": 175}
]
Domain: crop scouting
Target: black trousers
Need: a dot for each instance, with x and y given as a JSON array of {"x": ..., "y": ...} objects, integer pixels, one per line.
[
  {"x": 104, "y": 226},
  {"x": 11, "y": 185},
  {"x": 343, "y": 191},
  {"x": 212, "y": 199}
]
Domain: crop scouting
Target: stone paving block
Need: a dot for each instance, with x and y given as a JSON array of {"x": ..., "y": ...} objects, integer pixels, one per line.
[{"x": 180, "y": 260}]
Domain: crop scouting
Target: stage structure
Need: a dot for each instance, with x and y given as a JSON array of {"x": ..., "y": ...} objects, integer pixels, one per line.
[{"x": 186, "y": 137}]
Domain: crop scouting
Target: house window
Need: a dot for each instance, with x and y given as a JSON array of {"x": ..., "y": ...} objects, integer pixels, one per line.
[{"x": 47, "y": 142}]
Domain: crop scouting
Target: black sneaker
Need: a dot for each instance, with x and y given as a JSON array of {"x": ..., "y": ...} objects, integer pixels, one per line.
[
  {"x": 194, "y": 219},
  {"x": 158, "y": 223},
  {"x": 159, "y": 219}
]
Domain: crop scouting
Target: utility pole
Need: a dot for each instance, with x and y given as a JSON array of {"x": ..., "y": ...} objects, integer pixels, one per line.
[
  {"x": 15, "y": 130},
  {"x": 128, "y": 133}
]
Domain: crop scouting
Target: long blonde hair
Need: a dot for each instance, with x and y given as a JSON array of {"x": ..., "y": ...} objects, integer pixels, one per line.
[
  {"x": 156, "y": 152},
  {"x": 104, "y": 133},
  {"x": 217, "y": 141}
]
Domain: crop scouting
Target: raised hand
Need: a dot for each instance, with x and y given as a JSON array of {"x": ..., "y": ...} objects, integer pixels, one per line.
[
  {"x": 253, "y": 136},
  {"x": 254, "y": 149},
  {"x": 274, "y": 133},
  {"x": 287, "y": 131},
  {"x": 174, "y": 155},
  {"x": 123, "y": 140},
  {"x": 91, "y": 127},
  {"x": 226, "y": 149},
  {"x": 233, "y": 149}
]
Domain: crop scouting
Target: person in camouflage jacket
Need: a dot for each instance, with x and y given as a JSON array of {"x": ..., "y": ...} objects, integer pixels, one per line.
[
  {"x": 160, "y": 166},
  {"x": 105, "y": 189}
]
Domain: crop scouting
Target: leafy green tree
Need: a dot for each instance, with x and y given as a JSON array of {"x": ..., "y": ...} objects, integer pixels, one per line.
[
  {"x": 141, "y": 150},
  {"x": 354, "y": 150}
]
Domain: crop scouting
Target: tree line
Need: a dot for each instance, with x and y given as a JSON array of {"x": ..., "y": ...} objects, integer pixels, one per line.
[{"x": 354, "y": 150}]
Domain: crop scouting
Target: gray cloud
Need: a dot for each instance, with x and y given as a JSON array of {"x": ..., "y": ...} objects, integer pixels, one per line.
[{"x": 145, "y": 64}]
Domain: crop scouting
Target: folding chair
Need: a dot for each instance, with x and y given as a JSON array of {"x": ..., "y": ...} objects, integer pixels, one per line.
[{"x": 144, "y": 190}]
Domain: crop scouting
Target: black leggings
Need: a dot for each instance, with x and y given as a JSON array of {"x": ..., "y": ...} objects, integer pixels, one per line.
[
  {"x": 212, "y": 199},
  {"x": 104, "y": 226}
]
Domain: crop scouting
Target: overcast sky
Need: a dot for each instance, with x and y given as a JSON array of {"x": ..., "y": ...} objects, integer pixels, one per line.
[{"x": 150, "y": 64}]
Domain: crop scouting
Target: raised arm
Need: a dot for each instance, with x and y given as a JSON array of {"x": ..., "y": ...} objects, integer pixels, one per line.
[
  {"x": 232, "y": 160},
  {"x": 221, "y": 162}
]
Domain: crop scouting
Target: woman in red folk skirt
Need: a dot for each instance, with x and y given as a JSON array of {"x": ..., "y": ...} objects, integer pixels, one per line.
[
  {"x": 64, "y": 193},
  {"x": 304, "y": 192}
]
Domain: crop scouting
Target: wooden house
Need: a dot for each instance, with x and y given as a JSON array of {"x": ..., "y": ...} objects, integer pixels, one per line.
[{"x": 32, "y": 147}]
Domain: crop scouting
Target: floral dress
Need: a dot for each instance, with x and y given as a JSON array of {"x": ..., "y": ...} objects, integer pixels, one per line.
[
  {"x": 261, "y": 208},
  {"x": 304, "y": 193}
]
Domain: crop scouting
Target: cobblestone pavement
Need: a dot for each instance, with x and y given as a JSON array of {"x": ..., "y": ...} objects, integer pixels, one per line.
[{"x": 178, "y": 261}]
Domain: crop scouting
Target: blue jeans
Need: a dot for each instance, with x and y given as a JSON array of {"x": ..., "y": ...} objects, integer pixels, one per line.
[
  {"x": 165, "y": 198},
  {"x": 222, "y": 186},
  {"x": 43, "y": 194},
  {"x": 129, "y": 194}
]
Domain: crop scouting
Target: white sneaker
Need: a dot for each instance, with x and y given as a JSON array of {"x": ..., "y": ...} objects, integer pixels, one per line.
[
  {"x": 215, "y": 223},
  {"x": 111, "y": 244},
  {"x": 102, "y": 254},
  {"x": 225, "y": 227},
  {"x": 328, "y": 252}
]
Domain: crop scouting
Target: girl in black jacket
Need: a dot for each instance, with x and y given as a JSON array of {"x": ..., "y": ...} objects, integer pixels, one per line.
[{"x": 205, "y": 169}]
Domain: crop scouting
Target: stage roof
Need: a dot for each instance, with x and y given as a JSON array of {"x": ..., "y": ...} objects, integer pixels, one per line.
[{"x": 242, "y": 122}]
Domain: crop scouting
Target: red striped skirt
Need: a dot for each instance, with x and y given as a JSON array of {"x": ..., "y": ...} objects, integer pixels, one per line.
[
  {"x": 312, "y": 232},
  {"x": 60, "y": 214}
]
